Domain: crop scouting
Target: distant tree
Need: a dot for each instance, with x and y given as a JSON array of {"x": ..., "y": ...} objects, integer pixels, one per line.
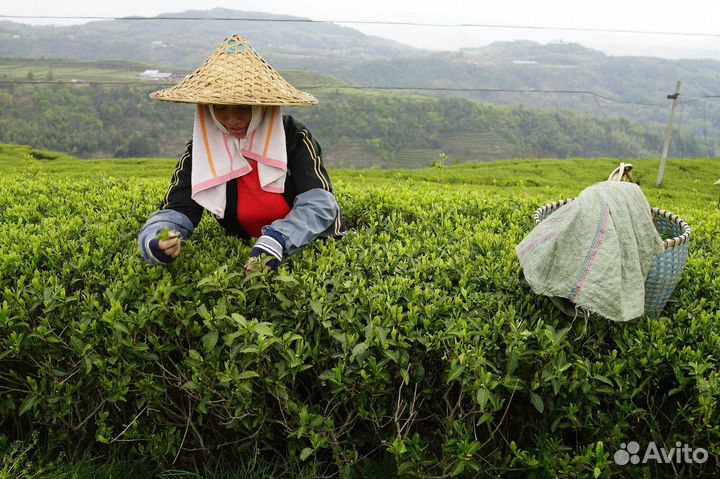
[
  {"x": 30, "y": 76},
  {"x": 49, "y": 76},
  {"x": 138, "y": 145}
]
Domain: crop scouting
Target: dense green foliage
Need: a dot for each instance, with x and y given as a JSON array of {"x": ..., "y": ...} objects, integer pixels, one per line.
[
  {"x": 356, "y": 129},
  {"x": 31, "y": 460},
  {"x": 90, "y": 120},
  {"x": 407, "y": 132},
  {"x": 413, "y": 335},
  {"x": 9, "y": 154}
]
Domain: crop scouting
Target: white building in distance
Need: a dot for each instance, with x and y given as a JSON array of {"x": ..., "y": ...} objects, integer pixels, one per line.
[{"x": 155, "y": 75}]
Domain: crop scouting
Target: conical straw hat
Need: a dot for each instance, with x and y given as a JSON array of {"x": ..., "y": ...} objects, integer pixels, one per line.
[{"x": 235, "y": 75}]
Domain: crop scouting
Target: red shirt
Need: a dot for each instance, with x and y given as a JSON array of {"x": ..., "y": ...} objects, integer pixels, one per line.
[{"x": 256, "y": 207}]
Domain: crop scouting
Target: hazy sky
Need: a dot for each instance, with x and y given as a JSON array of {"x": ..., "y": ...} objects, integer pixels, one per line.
[{"x": 688, "y": 16}]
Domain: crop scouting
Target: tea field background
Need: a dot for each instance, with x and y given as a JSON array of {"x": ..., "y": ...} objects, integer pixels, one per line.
[{"x": 411, "y": 346}]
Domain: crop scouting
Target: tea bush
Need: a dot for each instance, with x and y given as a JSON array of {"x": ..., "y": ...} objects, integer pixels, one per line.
[{"x": 413, "y": 335}]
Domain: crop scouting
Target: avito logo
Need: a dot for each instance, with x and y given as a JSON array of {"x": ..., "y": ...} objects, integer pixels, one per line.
[{"x": 681, "y": 454}]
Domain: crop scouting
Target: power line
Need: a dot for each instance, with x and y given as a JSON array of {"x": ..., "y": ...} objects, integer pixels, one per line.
[
  {"x": 80, "y": 82},
  {"x": 490, "y": 90},
  {"x": 350, "y": 87},
  {"x": 700, "y": 98},
  {"x": 374, "y": 22},
  {"x": 687, "y": 101}
]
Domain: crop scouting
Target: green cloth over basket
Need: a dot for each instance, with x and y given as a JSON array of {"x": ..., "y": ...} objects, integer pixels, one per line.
[
  {"x": 667, "y": 266},
  {"x": 595, "y": 251}
]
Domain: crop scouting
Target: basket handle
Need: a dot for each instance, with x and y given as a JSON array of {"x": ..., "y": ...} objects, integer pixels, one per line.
[{"x": 622, "y": 171}]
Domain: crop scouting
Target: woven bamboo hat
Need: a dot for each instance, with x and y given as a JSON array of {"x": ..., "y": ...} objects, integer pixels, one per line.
[{"x": 235, "y": 75}]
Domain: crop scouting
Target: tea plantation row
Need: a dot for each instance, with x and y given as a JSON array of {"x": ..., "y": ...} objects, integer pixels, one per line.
[{"x": 414, "y": 335}]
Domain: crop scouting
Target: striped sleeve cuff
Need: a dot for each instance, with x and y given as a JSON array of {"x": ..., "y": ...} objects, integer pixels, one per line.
[{"x": 268, "y": 245}]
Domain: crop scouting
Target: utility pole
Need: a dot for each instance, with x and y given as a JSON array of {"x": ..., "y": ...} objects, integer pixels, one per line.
[{"x": 668, "y": 133}]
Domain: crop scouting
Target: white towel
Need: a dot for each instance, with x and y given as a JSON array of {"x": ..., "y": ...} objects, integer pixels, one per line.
[{"x": 219, "y": 157}]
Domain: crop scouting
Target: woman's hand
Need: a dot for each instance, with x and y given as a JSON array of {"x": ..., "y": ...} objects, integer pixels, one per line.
[
  {"x": 165, "y": 250},
  {"x": 170, "y": 247},
  {"x": 255, "y": 263},
  {"x": 267, "y": 253}
]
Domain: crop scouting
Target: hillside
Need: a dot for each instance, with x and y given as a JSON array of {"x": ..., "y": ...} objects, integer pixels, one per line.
[
  {"x": 357, "y": 128},
  {"x": 631, "y": 87},
  {"x": 186, "y": 43},
  {"x": 535, "y": 75}
]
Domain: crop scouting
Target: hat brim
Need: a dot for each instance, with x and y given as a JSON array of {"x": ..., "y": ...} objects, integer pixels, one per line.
[
  {"x": 235, "y": 75},
  {"x": 171, "y": 96}
]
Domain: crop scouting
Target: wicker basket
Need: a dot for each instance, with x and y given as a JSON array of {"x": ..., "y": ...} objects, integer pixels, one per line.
[{"x": 667, "y": 266}]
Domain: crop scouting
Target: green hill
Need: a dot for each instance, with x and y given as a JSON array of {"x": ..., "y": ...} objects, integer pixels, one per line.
[
  {"x": 630, "y": 87},
  {"x": 356, "y": 127},
  {"x": 528, "y": 73}
]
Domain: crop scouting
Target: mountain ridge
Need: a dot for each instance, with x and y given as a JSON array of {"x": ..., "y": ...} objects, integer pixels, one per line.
[{"x": 183, "y": 43}]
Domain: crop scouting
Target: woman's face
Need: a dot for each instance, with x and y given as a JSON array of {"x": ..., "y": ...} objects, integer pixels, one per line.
[{"x": 235, "y": 118}]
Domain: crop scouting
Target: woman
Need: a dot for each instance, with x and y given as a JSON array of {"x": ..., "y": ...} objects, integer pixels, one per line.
[{"x": 258, "y": 171}]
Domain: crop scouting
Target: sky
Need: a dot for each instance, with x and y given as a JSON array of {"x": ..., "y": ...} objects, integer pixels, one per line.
[{"x": 695, "y": 17}]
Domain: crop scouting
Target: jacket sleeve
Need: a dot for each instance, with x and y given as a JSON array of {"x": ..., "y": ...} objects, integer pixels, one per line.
[
  {"x": 178, "y": 196},
  {"x": 315, "y": 211},
  {"x": 157, "y": 222},
  {"x": 178, "y": 210},
  {"x": 307, "y": 171}
]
